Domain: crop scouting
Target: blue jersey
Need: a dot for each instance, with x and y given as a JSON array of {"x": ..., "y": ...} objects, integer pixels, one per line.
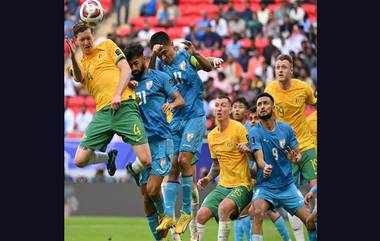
[
  {"x": 154, "y": 89},
  {"x": 247, "y": 125},
  {"x": 273, "y": 145},
  {"x": 185, "y": 78}
]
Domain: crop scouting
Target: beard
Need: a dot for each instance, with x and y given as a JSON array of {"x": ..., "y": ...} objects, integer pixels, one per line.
[
  {"x": 142, "y": 70},
  {"x": 266, "y": 117}
]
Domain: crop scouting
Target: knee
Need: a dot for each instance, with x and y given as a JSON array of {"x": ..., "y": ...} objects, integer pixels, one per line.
[
  {"x": 310, "y": 223},
  {"x": 225, "y": 211},
  {"x": 80, "y": 162},
  {"x": 153, "y": 191},
  {"x": 183, "y": 161},
  {"x": 201, "y": 216},
  {"x": 258, "y": 213}
]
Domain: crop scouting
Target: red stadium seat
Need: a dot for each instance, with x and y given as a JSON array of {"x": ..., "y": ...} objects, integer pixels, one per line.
[
  {"x": 246, "y": 42},
  {"x": 75, "y": 101},
  {"x": 273, "y": 7},
  {"x": 90, "y": 102},
  {"x": 187, "y": 21},
  {"x": 206, "y": 52},
  {"x": 217, "y": 53},
  {"x": 226, "y": 41},
  {"x": 175, "y": 32},
  {"x": 261, "y": 43},
  {"x": 74, "y": 135}
]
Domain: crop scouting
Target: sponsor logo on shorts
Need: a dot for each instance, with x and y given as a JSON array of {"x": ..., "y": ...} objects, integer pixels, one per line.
[
  {"x": 162, "y": 163},
  {"x": 189, "y": 136}
]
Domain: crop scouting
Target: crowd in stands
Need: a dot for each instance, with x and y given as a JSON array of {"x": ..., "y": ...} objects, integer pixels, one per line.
[{"x": 247, "y": 34}]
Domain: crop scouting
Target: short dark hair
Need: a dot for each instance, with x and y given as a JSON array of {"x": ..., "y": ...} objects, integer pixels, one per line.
[
  {"x": 265, "y": 94},
  {"x": 253, "y": 109},
  {"x": 159, "y": 38},
  {"x": 224, "y": 96},
  {"x": 287, "y": 57},
  {"x": 241, "y": 100},
  {"x": 133, "y": 50},
  {"x": 80, "y": 27}
]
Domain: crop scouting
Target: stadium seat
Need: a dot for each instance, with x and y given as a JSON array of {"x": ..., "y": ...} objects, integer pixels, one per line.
[
  {"x": 261, "y": 43},
  {"x": 217, "y": 53},
  {"x": 175, "y": 32},
  {"x": 75, "y": 101},
  {"x": 246, "y": 42},
  {"x": 90, "y": 102},
  {"x": 74, "y": 135},
  {"x": 187, "y": 21},
  {"x": 206, "y": 52},
  {"x": 273, "y": 7}
]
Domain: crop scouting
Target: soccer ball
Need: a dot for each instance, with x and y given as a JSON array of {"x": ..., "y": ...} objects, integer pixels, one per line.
[{"x": 91, "y": 12}]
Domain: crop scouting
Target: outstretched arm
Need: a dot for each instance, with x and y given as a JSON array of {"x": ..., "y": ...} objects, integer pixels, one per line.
[
  {"x": 125, "y": 73},
  {"x": 152, "y": 61},
  {"x": 213, "y": 173},
  {"x": 77, "y": 71},
  {"x": 203, "y": 61}
]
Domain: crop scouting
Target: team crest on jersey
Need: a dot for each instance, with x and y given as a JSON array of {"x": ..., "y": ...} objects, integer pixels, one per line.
[
  {"x": 149, "y": 85},
  {"x": 229, "y": 144},
  {"x": 282, "y": 143},
  {"x": 102, "y": 54},
  {"x": 189, "y": 136},
  {"x": 183, "y": 65},
  {"x": 299, "y": 100}
]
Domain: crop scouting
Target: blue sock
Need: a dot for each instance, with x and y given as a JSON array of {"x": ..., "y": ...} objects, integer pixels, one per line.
[
  {"x": 159, "y": 204},
  {"x": 170, "y": 197},
  {"x": 153, "y": 223},
  {"x": 247, "y": 227},
  {"x": 238, "y": 230},
  {"x": 187, "y": 188},
  {"x": 281, "y": 228},
  {"x": 312, "y": 235}
]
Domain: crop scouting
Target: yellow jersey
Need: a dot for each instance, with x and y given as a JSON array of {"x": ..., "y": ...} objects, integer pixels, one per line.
[
  {"x": 101, "y": 74},
  {"x": 312, "y": 123},
  {"x": 290, "y": 107},
  {"x": 234, "y": 166}
]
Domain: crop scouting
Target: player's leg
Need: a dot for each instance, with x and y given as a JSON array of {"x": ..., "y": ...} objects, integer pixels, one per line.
[
  {"x": 151, "y": 214},
  {"x": 280, "y": 225},
  {"x": 191, "y": 143},
  {"x": 194, "y": 201},
  {"x": 243, "y": 224},
  {"x": 97, "y": 137},
  {"x": 309, "y": 169},
  {"x": 238, "y": 199},
  {"x": 238, "y": 229},
  {"x": 128, "y": 124},
  {"x": 209, "y": 208},
  {"x": 262, "y": 200},
  {"x": 295, "y": 223},
  {"x": 293, "y": 202}
]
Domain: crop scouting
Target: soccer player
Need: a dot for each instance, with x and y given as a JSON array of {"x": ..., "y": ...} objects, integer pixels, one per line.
[
  {"x": 291, "y": 96},
  {"x": 234, "y": 191},
  {"x": 153, "y": 89},
  {"x": 104, "y": 72},
  {"x": 273, "y": 142},
  {"x": 188, "y": 124},
  {"x": 240, "y": 109},
  {"x": 312, "y": 218},
  {"x": 312, "y": 123},
  {"x": 253, "y": 117}
]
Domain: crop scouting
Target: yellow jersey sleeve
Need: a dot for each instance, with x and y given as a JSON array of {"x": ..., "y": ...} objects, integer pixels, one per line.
[
  {"x": 114, "y": 51},
  {"x": 212, "y": 151},
  {"x": 243, "y": 137},
  {"x": 311, "y": 99}
]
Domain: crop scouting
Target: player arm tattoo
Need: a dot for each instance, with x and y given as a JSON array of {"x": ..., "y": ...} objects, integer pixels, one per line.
[
  {"x": 214, "y": 170},
  {"x": 77, "y": 71}
]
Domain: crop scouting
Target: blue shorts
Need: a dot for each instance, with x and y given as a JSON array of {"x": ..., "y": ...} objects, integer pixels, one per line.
[
  {"x": 290, "y": 198},
  {"x": 188, "y": 134},
  {"x": 162, "y": 155}
]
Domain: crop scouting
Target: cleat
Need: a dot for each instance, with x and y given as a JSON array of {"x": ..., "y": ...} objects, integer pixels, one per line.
[
  {"x": 133, "y": 174},
  {"x": 165, "y": 223},
  {"x": 111, "y": 165},
  {"x": 183, "y": 222}
]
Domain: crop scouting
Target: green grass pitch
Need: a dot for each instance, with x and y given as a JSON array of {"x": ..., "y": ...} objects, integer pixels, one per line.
[{"x": 136, "y": 229}]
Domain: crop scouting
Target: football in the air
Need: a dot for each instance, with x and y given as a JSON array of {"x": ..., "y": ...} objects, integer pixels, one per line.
[{"x": 91, "y": 12}]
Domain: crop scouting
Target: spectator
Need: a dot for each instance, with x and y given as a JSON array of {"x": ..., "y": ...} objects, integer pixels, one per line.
[
  {"x": 211, "y": 40},
  {"x": 243, "y": 59},
  {"x": 293, "y": 43},
  {"x": 222, "y": 84},
  {"x": 118, "y": 6},
  {"x": 230, "y": 12},
  {"x": 69, "y": 119},
  {"x": 219, "y": 25},
  {"x": 237, "y": 25},
  {"x": 254, "y": 26},
  {"x": 148, "y": 8},
  {"x": 193, "y": 37},
  {"x": 272, "y": 27},
  {"x": 265, "y": 73},
  {"x": 70, "y": 21},
  {"x": 72, "y": 6},
  {"x": 70, "y": 84},
  {"x": 304, "y": 75},
  {"x": 246, "y": 14},
  {"x": 296, "y": 13},
  {"x": 203, "y": 24},
  {"x": 254, "y": 62},
  {"x": 286, "y": 27},
  {"x": 83, "y": 118},
  {"x": 210, "y": 92},
  {"x": 309, "y": 59},
  {"x": 233, "y": 70},
  {"x": 268, "y": 50},
  {"x": 233, "y": 47},
  {"x": 263, "y": 14},
  {"x": 143, "y": 36},
  {"x": 165, "y": 15},
  {"x": 281, "y": 12}
]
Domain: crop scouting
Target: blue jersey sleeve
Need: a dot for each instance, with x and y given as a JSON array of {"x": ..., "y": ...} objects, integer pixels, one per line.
[
  {"x": 293, "y": 143},
  {"x": 254, "y": 140},
  {"x": 164, "y": 79}
]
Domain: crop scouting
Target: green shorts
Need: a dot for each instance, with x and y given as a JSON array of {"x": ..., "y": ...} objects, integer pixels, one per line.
[
  {"x": 125, "y": 122},
  {"x": 307, "y": 169},
  {"x": 240, "y": 195}
]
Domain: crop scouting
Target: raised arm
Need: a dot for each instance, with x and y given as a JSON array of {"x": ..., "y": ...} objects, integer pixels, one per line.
[
  {"x": 213, "y": 173},
  {"x": 77, "y": 71},
  {"x": 203, "y": 62},
  {"x": 152, "y": 61}
]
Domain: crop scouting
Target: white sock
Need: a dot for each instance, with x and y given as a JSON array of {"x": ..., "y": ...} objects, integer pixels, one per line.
[
  {"x": 201, "y": 231},
  {"x": 297, "y": 226},
  {"x": 224, "y": 230},
  {"x": 98, "y": 157},
  {"x": 194, "y": 210},
  {"x": 256, "y": 237},
  {"x": 137, "y": 166}
]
